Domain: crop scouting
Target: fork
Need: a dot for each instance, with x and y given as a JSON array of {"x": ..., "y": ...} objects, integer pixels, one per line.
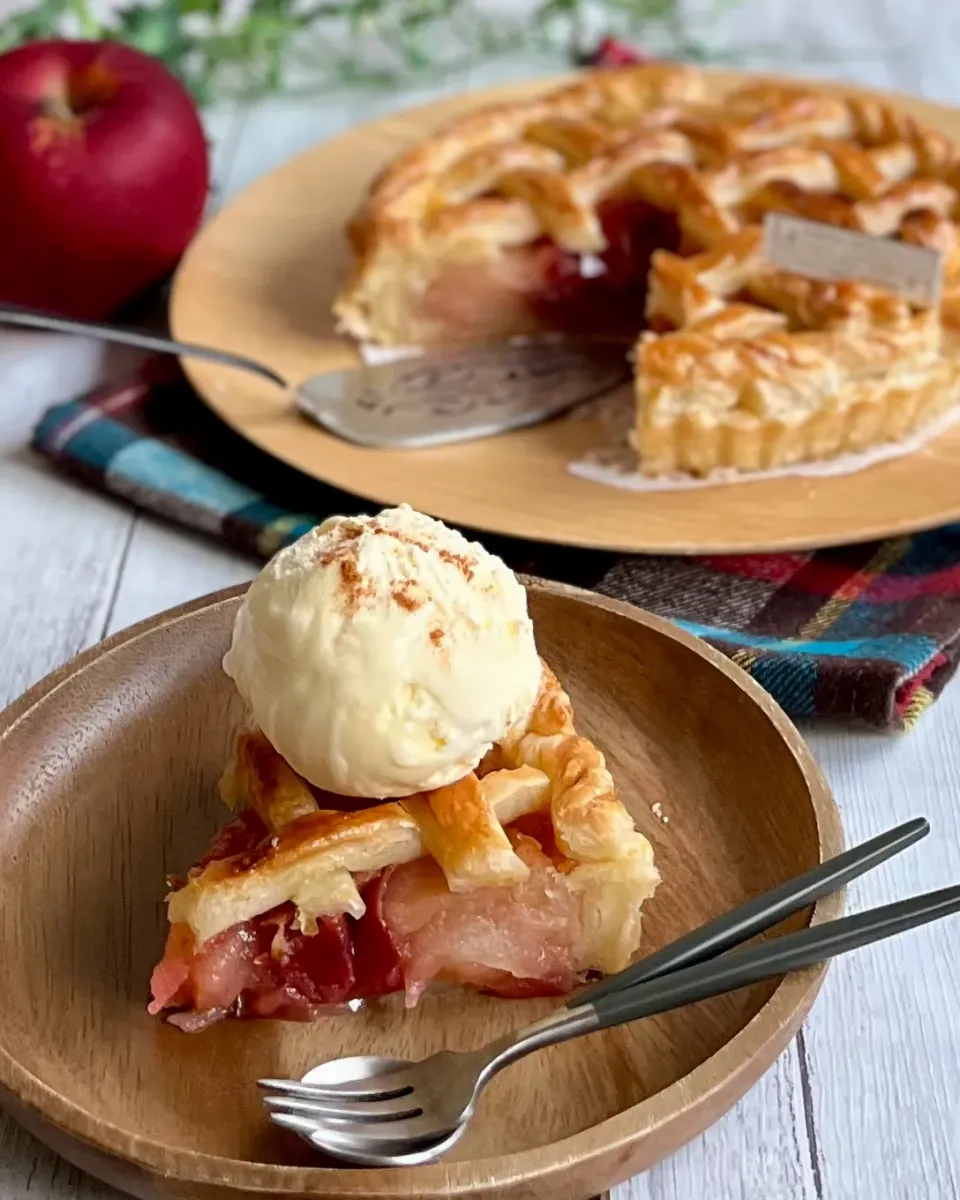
[{"x": 378, "y": 1111}]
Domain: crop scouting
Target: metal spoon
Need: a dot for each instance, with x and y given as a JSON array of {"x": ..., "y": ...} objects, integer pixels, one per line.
[{"x": 428, "y": 399}]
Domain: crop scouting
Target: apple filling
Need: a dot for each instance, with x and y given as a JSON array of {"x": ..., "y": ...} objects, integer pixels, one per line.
[
  {"x": 517, "y": 941},
  {"x": 541, "y": 286}
]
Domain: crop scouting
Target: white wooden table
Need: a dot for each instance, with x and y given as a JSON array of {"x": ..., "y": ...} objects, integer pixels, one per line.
[{"x": 866, "y": 1102}]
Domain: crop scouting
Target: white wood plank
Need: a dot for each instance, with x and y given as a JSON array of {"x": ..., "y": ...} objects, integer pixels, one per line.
[
  {"x": 29, "y": 1171},
  {"x": 60, "y": 548},
  {"x": 166, "y": 566},
  {"x": 41, "y": 368},
  {"x": 759, "y": 1151},
  {"x": 883, "y": 1042}
]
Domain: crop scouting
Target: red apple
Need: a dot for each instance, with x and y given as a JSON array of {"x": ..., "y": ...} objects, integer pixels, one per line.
[{"x": 104, "y": 175}]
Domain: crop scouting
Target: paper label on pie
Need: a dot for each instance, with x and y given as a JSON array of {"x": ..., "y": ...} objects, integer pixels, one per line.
[{"x": 822, "y": 251}]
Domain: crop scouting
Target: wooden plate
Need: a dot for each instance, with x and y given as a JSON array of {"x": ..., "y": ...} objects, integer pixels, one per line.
[
  {"x": 260, "y": 280},
  {"x": 107, "y": 782}
]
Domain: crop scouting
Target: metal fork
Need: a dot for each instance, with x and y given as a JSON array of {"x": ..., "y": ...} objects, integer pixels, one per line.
[{"x": 379, "y": 1111}]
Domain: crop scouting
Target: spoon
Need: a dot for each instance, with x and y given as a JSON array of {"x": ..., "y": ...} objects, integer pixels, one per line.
[{"x": 421, "y": 400}]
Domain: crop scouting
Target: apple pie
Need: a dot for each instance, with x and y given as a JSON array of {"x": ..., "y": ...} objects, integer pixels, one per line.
[
  {"x": 628, "y": 205},
  {"x": 521, "y": 879}
]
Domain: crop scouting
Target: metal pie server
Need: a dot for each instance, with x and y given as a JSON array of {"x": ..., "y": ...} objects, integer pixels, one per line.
[{"x": 428, "y": 399}]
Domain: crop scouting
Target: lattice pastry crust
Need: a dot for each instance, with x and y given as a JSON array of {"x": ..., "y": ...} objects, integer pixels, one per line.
[
  {"x": 501, "y": 178},
  {"x": 741, "y": 365},
  {"x": 314, "y": 855}
]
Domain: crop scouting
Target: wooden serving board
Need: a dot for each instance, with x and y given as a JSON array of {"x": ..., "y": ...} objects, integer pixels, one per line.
[{"x": 260, "y": 280}]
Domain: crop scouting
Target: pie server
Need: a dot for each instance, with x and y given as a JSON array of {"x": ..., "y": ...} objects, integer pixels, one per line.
[{"x": 427, "y": 399}]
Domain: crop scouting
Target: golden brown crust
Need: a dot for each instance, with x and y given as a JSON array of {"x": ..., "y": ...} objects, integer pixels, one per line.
[
  {"x": 589, "y": 818},
  {"x": 312, "y": 859},
  {"x": 758, "y": 368},
  {"x": 491, "y": 179},
  {"x": 572, "y": 123},
  {"x": 461, "y": 829},
  {"x": 785, "y": 368},
  {"x": 508, "y": 174},
  {"x": 258, "y": 778},
  {"x": 609, "y": 861}
]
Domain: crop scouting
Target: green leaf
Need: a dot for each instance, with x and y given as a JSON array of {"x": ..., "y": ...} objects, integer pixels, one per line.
[{"x": 155, "y": 31}]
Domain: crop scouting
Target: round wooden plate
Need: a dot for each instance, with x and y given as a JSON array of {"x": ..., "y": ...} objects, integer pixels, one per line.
[
  {"x": 108, "y": 775},
  {"x": 260, "y": 280}
]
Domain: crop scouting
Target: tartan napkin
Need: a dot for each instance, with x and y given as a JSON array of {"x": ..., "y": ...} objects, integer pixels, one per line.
[{"x": 867, "y": 633}]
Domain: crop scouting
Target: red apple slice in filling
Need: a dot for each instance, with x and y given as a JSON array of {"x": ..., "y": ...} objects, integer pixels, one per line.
[
  {"x": 541, "y": 286},
  {"x": 510, "y": 941}
]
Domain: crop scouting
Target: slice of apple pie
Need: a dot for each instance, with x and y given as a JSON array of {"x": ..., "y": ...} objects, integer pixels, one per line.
[
  {"x": 632, "y": 203},
  {"x": 520, "y": 879}
]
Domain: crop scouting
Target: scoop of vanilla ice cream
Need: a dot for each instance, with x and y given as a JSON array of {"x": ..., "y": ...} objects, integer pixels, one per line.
[{"x": 384, "y": 655}]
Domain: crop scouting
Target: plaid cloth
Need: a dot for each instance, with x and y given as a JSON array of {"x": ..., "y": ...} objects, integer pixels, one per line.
[{"x": 867, "y": 633}]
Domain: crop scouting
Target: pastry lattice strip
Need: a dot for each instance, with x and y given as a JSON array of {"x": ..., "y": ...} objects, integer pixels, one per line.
[
  {"x": 313, "y": 855},
  {"x": 506, "y": 176}
]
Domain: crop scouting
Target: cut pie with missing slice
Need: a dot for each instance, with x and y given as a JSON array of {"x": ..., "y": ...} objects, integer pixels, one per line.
[
  {"x": 520, "y": 879},
  {"x": 628, "y": 205}
]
